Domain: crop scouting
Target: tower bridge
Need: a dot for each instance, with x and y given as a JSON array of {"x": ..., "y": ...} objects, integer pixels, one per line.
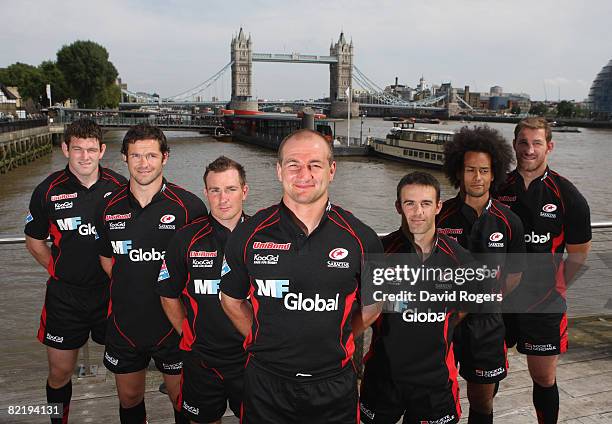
[{"x": 342, "y": 74}]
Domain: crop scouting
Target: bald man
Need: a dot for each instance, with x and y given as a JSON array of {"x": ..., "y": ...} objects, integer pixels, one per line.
[{"x": 299, "y": 264}]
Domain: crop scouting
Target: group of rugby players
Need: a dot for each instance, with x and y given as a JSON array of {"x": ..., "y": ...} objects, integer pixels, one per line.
[{"x": 262, "y": 312}]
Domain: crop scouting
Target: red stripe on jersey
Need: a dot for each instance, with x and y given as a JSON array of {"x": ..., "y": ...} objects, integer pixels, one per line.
[
  {"x": 110, "y": 292},
  {"x": 176, "y": 199},
  {"x": 349, "y": 347},
  {"x": 499, "y": 213},
  {"x": 251, "y": 338},
  {"x": 263, "y": 224},
  {"x": 447, "y": 249},
  {"x": 350, "y": 231},
  {"x": 109, "y": 177},
  {"x": 57, "y": 236},
  {"x": 56, "y": 182},
  {"x": 189, "y": 331},
  {"x": 550, "y": 183},
  {"x": 563, "y": 332},
  {"x": 450, "y": 366},
  {"x": 166, "y": 336},
  {"x": 42, "y": 329},
  {"x": 122, "y": 194},
  {"x": 122, "y": 334},
  {"x": 453, "y": 208}
]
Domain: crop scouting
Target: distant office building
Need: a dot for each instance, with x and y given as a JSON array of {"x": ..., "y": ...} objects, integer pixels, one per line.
[
  {"x": 496, "y": 90},
  {"x": 600, "y": 94}
]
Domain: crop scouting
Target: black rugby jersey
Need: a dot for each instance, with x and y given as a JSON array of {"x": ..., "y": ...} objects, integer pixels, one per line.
[
  {"x": 414, "y": 346},
  {"x": 553, "y": 213},
  {"x": 192, "y": 270},
  {"x": 64, "y": 209},
  {"x": 303, "y": 289},
  {"x": 489, "y": 237},
  {"x": 136, "y": 238}
]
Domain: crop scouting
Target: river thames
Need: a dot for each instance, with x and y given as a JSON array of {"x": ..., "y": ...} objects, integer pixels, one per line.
[{"x": 363, "y": 185}]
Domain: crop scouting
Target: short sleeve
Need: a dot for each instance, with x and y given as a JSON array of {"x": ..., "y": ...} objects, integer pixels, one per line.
[
  {"x": 577, "y": 222},
  {"x": 103, "y": 244},
  {"x": 37, "y": 220},
  {"x": 173, "y": 273},
  {"x": 516, "y": 260},
  {"x": 234, "y": 273}
]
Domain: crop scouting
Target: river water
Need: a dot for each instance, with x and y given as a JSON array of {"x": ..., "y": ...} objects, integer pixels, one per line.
[{"x": 365, "y": 186}]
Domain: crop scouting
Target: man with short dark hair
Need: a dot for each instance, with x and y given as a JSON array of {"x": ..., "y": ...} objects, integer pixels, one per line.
[
  {"x": 557, "y": 219},
  {"x": 476, "y": 161},
  {"x": 410, "y": 367},
  {"x": 63, "y": 206},
  {"x": 213, "y": 355},
  {"x": 135, "y": 225},
  {"x": 292, "y": 288}
]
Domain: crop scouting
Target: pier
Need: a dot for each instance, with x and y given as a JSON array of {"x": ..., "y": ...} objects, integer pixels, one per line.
[{"x": 22, "y": 142}]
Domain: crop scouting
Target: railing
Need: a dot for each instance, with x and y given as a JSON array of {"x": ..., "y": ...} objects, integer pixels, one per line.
[
  {"x": 165, "y": 121},
  {"x": 22, "y": 124}
]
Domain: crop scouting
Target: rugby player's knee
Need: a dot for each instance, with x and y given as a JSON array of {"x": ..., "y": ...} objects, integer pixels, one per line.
[{"x": 480, "y": 397}]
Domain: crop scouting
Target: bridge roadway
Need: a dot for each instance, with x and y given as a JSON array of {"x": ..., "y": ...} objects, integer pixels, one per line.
[{"x": 584, "y": 374}]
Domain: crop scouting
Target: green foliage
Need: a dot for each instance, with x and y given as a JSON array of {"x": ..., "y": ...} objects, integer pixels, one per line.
[
  {"x": 539, "y": 109},
  {"x": 89, "y": 73},
  {"x": 566, "y": 109},
  {"x": 52, "y": 75},
  {"x": 27, "y": 78}
]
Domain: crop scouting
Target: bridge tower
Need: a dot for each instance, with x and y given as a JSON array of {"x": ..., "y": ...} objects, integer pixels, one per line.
[
  {"x": 341, "y": 77},
  {"x": 242, "y": 73}
]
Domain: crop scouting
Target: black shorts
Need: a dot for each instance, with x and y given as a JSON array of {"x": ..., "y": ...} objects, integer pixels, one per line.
[
  {"x": 384, "y": 401},
  {"x": 480, "y": 348},
  {"x": 206, "y": 391},
  {"x": 537, "y": 334},
  {"x": 71, "y": 312},
  {"x": 121, "y": 357},
  {"x": 276, "y": 399}
]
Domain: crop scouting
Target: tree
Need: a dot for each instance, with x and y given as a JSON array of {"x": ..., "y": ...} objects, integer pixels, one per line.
[
  {"x": 539, "y": 109},
  {"x": 27, "y": 78},
  {"x": 51, "y": 74},
  {"x": 88, "y": 73},
  {"x": 566, "y": 109}
]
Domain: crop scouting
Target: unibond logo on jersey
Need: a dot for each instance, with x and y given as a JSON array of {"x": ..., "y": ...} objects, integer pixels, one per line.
[
  {"x": 118, "y": 216},
  {"x": 507, "y": 198},
  {"x": 413, "y": 315},
  {"x": 202, "y": 254},
  {"x": 450, "y": 230},
  {"x": 140, "y": 255},
  {"x": 166, "y": 222},
  {"x": 202, "y": 263},
  {"x": 206, "y": 286},
  {"x": 265, "y": 259},
  {"x": 56, "y": 339},
  {"x": 117, "y": 225},
  {"x": 271, "y": 245},
  {"x": 537, "y": 238},
  {"x": 64, "y": 197},
  {"x": 490, "y": 373},
  {"x": 191, "y": 409},
  {"x": 110, "y": 359},
  {"x": 163, "y": 272},
  {"x": 444, "y": 420},
  {"x": 121, "y": 247},
  {"x": 547, "y": 210},
  {"x": 338, "y": 253},
  {"x": 65, "y": 205}
]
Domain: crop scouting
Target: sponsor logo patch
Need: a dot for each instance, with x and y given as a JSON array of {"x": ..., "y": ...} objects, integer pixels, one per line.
[
  {"x": 549, "y": 207},
  {"x": 29, "y": 218},
  {"x": 117, "y": 225},
  {"x": 174, "y": 367},
  {"x": 65, "y": 205},
  {"x": 110, "y": 359},
  {"x": 490, "y": 373},
  {"x": 338, "y": 253},
  {"x": 259, "y": 259},
  {"x": 496, "y": 236},
  {"x": 64, "y": 197},
  {"x": 270, "y": 245},
  {"x": 191, "y": 409},
  {"x": 540, "y": 347},
  {"x": 202, "y": 254},
  {"x": 163, "y": 272},
  {"x": 108, "y": 193},
  {"x": 206, "y": 286},
  {"x": 118, "y": 216},
  {"x": 56, "y": 339},
  {"x": 450, "y": 230},
  {"x": 537, "y": 238},
  {"x": 167, "y": 219},
  {"x": 202, "y": 263},
  {"x": 225, "y": 268},
  {"x": 507, "y": 198}
]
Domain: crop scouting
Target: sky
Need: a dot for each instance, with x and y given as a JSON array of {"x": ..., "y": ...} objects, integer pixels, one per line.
[{"x": 549, "y": 49}]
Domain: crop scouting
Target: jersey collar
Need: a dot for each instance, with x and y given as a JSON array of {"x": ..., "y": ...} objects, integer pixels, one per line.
[
  {"x": 287, "y": 220},
  {"x": 75, "y": 180},
  {"x": 134, "y": 203}
]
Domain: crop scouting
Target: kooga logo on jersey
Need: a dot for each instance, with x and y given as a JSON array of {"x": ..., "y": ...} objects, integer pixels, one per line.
[{"x": 295, "y": 301}]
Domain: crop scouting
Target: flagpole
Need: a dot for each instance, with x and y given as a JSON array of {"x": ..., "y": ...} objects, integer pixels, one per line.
[{"x": 348, "y": 116}]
